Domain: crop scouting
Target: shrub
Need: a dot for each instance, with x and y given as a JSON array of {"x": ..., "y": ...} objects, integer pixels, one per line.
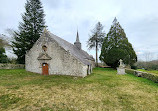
[{"x": 134, "y": 67}]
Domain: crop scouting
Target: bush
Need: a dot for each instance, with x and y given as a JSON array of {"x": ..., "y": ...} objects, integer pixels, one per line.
[
  {"x": 134, "y": 67},
  {"x": 152, "y": 65}
]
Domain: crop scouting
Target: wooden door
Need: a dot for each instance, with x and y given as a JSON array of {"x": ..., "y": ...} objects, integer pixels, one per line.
[{"x": 45, "y": 69}]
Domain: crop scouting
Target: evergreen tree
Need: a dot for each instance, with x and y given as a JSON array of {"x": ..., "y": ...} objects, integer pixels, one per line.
[
  {"x": 29, "y": 30},
  {"x": 3, "y": 57},
  {"x": 96, "y": 39},
  {"x": 116, "y": 47},
  {"x": 3, "y": 43}
]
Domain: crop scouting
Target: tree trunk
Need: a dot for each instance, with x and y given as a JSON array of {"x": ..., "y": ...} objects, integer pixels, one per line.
[{"x": 96, "y": 53}]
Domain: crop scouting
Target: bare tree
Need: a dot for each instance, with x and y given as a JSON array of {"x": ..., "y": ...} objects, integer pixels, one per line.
[
  {"x": 148, "y": 57},
  {"x": 3, "y": 41},
  {"x": 96, "y": 39}
]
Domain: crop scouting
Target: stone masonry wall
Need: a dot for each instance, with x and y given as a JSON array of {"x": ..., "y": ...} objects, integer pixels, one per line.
[
  {"x": 62, "y": 62},
  {"x": 150, "y": 76},
  {"x": 12, "y": 66}
]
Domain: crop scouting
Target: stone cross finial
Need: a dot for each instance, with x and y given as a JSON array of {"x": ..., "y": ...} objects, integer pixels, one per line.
[
  {"x": 45, "y": 29},
  {"x": 121, "y": 63}
]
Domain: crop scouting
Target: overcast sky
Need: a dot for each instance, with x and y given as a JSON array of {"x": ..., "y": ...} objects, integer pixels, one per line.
[{"x": 139, "y": 19}]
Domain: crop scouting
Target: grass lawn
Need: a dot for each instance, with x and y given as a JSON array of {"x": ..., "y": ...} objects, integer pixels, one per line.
[
  {"x": 103, "y": 90},
  {"x": 152, "y": 71}
]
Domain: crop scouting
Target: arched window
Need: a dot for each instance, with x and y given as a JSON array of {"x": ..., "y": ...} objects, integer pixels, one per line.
[{"x": 44, "y": 48}]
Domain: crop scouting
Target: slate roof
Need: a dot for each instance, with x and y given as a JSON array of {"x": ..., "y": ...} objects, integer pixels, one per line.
[{"x": 78, "y": 53}]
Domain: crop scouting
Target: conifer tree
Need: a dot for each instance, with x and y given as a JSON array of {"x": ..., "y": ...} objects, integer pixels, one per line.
[
  {"x": 3, "y": 57},
  {"x": 29, "y": 30},
  {"x": 96, "y": 39},
  {"x": 116, "y": 47}
]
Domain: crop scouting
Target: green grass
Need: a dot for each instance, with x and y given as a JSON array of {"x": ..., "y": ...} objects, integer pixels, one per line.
[
  {"x": 102, "y": 90},
  {"x": 151, "y": 71}
]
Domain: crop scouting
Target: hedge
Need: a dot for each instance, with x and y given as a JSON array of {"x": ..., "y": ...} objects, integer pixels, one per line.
[{"x": 146, "y": 75}]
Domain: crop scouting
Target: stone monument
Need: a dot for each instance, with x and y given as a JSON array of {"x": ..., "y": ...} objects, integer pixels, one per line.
[{"x": 121, "y": 68}]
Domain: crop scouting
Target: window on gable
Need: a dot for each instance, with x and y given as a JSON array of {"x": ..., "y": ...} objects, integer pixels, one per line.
[{"x": 44, "y": 48}]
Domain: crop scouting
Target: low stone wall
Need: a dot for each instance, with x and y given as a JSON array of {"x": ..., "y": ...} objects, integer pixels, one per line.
[
  {"x": 150, "y": 76},
  {"x": 12, "y": 66}
]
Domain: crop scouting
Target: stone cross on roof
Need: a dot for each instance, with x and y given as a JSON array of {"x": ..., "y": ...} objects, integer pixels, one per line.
[{"x": 45, "y": 29}]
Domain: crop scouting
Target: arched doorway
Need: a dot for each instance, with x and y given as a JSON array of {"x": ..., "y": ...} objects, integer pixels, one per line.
[{"x": 45, "y": 69}]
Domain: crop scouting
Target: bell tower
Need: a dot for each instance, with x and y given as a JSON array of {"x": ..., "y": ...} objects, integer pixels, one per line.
[{"x": 77, "y": 43}]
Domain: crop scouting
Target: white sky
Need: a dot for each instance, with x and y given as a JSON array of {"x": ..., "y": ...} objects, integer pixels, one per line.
[{"x": 139, "y": 18}]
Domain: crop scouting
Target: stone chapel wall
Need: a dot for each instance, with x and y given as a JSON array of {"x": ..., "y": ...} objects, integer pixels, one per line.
[{"x": 62, "y": 62}]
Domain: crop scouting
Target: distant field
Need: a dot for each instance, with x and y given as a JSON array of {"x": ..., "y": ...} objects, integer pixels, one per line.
[
  {"x": 152, "y": 71},
  {"x": 101, "y": 91}
]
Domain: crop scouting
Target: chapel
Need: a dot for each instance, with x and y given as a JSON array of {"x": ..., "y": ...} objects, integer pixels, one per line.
[{"x": 52, "y": 55}]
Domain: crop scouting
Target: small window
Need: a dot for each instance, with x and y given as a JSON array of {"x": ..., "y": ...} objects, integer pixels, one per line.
[{"x": 44, "y": 48}]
